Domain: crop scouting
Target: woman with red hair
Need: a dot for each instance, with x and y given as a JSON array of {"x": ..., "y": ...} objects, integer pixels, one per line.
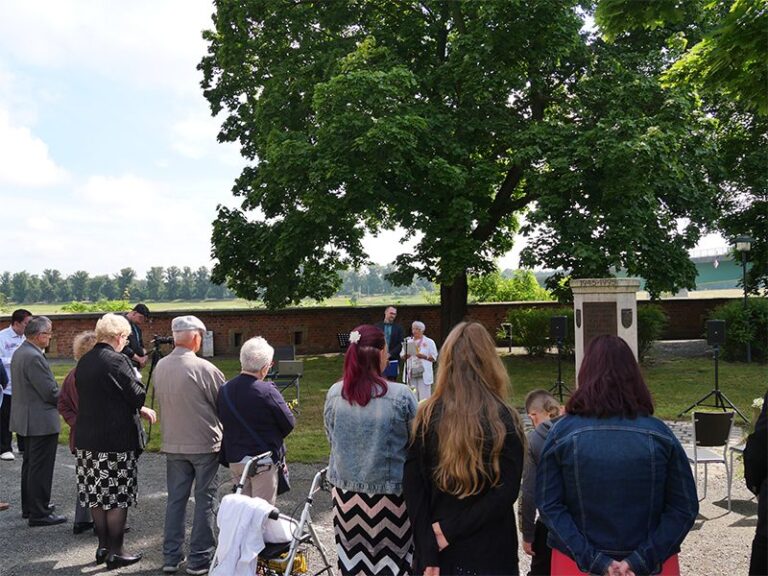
[
  {"x": 367, "y": 420},
  {"x": 614, "y": 486}
]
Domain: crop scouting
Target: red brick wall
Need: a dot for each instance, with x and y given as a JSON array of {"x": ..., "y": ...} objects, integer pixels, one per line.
[
  {"x": 318, "y": 326},
  {"x": 687, "y": 318}
]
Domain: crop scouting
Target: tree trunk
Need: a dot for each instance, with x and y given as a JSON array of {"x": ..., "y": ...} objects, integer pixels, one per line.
[{"x": 453, "y": 304}]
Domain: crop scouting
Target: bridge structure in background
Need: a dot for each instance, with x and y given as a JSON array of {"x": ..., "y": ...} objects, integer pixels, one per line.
[{"x": 716, "y": 269}]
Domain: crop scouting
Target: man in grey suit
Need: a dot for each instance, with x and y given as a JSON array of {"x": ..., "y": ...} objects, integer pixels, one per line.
[{"x": 35, "y": 417}]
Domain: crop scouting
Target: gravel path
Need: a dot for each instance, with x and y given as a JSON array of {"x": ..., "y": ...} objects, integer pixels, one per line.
[{"x": 719, "y": 543}]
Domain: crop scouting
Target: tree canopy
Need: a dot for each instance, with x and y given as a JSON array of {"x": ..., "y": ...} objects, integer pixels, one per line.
[
  {"x": 449, "y": 119},
  {"x": 728, "y": 45},
  {"x": 725, "y": 58}
]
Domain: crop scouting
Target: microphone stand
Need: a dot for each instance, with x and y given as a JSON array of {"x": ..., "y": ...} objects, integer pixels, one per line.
[{"x": 406, "y": 366}]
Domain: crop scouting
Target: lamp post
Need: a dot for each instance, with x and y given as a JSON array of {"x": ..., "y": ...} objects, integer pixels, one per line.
[{"x": 743, "y": 245}]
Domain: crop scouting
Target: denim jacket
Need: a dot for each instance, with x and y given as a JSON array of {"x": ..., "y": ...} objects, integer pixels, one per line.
[
  {"x": 615, "y": 488},
  {"x": 369, "y": 443}
]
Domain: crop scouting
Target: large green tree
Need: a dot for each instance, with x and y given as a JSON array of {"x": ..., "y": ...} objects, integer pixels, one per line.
[{"x": 447, "y": 119}]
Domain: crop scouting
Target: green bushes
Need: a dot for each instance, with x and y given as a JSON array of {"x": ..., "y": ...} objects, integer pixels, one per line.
[
  {"x": 494, "y": 287},
  {"x": 530, "y": 329},
  {"x": 651, "y": 323},
  {"x": 99, "y": 306},
  {"x": 742, "y": 326}
]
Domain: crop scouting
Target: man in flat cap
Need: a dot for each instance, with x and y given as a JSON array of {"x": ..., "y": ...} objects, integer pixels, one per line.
[
  {"x": 134, "y": 348},
  {"x": 187, "y": 387}
]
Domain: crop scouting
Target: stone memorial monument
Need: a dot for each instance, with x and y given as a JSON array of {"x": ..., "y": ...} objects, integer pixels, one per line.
[{"x": 604, "y": 306}]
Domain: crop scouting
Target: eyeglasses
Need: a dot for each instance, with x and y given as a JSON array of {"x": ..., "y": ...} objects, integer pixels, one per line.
[{"x": 47, "y": 333}]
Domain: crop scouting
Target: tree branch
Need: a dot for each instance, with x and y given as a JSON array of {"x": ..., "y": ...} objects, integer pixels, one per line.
[
  {"x": 503, "y": 204},
  {"x": 458, "y": 17}
]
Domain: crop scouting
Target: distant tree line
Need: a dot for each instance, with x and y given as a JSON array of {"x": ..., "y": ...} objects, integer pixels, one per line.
[
  {"x": 373, "y": 280},
  {"x": 173, "y": 283},
  {"x": 159, "y": 284}
]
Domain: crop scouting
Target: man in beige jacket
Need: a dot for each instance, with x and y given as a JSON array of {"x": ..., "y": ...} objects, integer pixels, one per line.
[{"x": 187, "y": 387}]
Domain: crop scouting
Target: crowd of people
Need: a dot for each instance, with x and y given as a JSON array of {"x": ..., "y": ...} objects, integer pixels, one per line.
[
  {"x": 425, "y": 473},
  {"x": 206, "y": 421},
  {"x": 429, "y": 487}
]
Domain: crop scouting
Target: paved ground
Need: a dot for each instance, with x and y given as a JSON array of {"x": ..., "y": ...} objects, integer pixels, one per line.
[{"x": 718, "y": 544}]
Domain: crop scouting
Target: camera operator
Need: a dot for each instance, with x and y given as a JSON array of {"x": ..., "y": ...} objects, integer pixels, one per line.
[{"x": 134, "y": 348}]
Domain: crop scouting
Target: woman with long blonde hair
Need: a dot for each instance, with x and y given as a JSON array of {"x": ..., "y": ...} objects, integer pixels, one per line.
[{"x": 463, "y": 471}]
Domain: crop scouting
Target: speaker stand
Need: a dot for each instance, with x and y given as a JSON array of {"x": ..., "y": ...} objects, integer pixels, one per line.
[
  {"x": 720, "y": 399},
  {"x": 559, "y": 388}
]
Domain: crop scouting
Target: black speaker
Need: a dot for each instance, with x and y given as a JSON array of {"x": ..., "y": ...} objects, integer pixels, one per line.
[
  {"x": 715, "y": 332},
  {"x": 558, "y": 327}
]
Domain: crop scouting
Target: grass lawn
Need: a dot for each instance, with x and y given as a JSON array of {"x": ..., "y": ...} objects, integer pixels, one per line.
[{"x": 675, "y": 384}]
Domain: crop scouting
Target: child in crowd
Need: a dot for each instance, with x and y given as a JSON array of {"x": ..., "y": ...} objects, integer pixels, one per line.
[{"x": 543, "y": 410}]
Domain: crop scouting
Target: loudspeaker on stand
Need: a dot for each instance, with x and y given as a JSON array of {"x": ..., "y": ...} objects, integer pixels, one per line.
[
  {"x": 715, "y": 332},
  {"x": 558, "y": 327}
]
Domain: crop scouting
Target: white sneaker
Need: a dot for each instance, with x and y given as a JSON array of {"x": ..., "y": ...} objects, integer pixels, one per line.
[
  {"x": 7, "y": 456},
  {"x": 169, "y": 568}
]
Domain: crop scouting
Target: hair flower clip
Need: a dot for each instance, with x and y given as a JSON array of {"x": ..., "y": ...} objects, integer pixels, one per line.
[{"x": 354, "y": 337}]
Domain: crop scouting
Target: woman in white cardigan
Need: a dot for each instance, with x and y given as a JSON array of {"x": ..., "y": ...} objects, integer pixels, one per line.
[{"x": 420, "y": 353}]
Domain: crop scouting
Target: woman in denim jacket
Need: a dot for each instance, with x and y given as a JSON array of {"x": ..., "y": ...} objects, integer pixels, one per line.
[
  {"x": 614, "y": 485},
  {"x": 367, "y": 420}
]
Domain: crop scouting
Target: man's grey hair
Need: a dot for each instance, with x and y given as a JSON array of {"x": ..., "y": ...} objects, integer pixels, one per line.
[
  {"x": 418, "y": 325},
  {"x": 255, "y": 354},
  {"x": 36, "y": 325}
]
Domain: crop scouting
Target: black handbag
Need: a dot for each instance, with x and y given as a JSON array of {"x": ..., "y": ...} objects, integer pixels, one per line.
[
  {"x": 283, "y": 480},
  {"x": 283, "y": 477},
  {"x": 140, "y": 432}
]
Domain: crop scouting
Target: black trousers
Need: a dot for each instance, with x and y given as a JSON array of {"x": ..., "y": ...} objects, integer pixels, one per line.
[
  {"x": 541, "y": 562},
  {"x": 37, "y": 474},
  {"x": 6, "y": 436}
]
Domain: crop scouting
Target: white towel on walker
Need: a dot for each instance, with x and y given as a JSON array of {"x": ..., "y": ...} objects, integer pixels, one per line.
[{"x": 241, "y": 521}]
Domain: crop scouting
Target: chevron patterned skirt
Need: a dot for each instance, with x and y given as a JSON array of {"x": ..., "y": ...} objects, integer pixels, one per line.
[{"x": 372, "y": 533}]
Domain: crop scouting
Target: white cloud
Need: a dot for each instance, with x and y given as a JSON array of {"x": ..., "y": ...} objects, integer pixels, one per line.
[
  {"x": 25, "y": 159},
  {"x": 108, "y": 222},
  {"x": 143, "y": 42},
  {"x": 194, "y": 136}
]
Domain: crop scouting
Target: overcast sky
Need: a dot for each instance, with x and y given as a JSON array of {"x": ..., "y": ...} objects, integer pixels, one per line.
[{"x": 108, "y": 152}]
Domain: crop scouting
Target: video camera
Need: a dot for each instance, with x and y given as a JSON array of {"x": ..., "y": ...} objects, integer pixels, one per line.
[{"x": 159, "y": 340}]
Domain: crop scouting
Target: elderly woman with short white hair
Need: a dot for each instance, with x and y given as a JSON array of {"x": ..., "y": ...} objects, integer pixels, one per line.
[
  {"x": 420, "y": 353},
  {"x": 255, "y": 418}
]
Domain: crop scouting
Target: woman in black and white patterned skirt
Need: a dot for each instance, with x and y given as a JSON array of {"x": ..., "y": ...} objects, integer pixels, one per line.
[
  {"x": 368, "y": 420},
  {"x": 107, "y": 438}
]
